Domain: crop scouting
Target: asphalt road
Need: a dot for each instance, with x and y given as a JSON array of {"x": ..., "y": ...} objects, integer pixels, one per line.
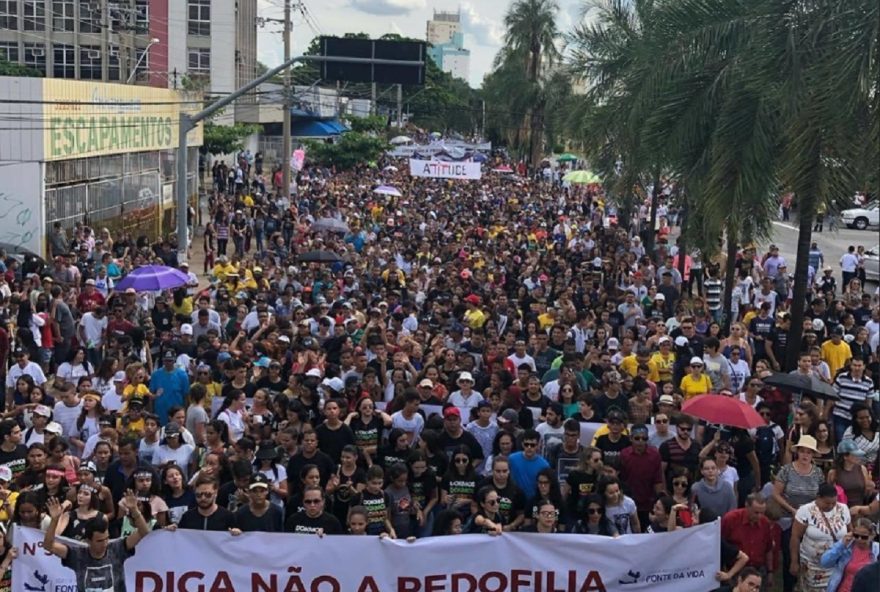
[{"x": 833, "y": 244}]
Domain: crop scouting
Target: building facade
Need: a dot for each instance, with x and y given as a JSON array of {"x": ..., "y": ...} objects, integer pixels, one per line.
[
  {"x": 443, "y": 26},
  {"x": 446, "y": 44},
  {"x": 207, "y": 44},
  {"x": 99, "y": 153}
]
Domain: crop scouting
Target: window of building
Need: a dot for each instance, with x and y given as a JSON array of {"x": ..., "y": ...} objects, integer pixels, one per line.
[
  {"x": 142, "y": 16},
  {"x": 9, "y": 14},
  {"x": 9, "y": 51},
  {"x": 65, "y": 61},
  {"x": 200, "y": 17},
  {"x": 89, "y": 16},
  {"x": 113, "y": 72},
  {"x": 63, "y": 18},
  {"x": 35, "y": 56},
  {"x": 90, "y": 62},
  {"x": 199, "y": 62},
  {"x": 143, "y": 64},
  {"x": 34, "y": 16}
]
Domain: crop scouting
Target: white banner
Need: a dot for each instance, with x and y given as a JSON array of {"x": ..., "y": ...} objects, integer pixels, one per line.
[
  {"x": 438, "y": 169},
  {"x": 259, "y": 562}
]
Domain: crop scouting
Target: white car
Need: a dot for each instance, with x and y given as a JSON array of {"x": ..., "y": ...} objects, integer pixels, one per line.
[
  {"x": 862, "y": 218},
  {"x": 872, "y": 265}
]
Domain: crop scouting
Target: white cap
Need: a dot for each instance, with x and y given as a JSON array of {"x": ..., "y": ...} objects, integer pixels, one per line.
[
  {"x": 660, "y": 296},
  {"x": 55, "y": 428},
  {"x": 314, "y": 372},
  {"x": 5, "y": 473},
  {"x": 613, "y": 343},
  {"x": 334, "y": 383},
  {"x": 697, "y": 360},
  {"x": 119, "y": 376},
  {"x": 664, "y": 339},
  {"x": 284, "y": 338},
  {"x": 186, "y": 329},
  {"x": 465, "y": 376},
  {"x": 42, "y": 410},
  {"x": 681, "y": 341}
]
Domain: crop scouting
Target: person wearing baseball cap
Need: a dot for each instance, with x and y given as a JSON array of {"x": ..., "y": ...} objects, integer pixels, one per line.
[
  {"x": 465, "y": 396},
  {"x": 259, "y": 514},
  {"x": 36, "y": 434},
  {"x": 454, "y": 435},
  {"x": 695, "y": 382}
]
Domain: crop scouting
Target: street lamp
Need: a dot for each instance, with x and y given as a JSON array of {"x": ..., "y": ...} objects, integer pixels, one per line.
[{"x": 153, "y": 42}]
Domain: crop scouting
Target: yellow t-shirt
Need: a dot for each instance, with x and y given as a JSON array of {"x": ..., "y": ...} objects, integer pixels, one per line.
[
  {"x": 691, "y": 387},
  {"x": 835, "y": 356},
  {"x": 630, "y": 365},
  {"x": 8, "y": 506},
  {"x": 545, "y": 320},
  {"x": 664, "y": 367},
  {"x": 475, "y": 318}
]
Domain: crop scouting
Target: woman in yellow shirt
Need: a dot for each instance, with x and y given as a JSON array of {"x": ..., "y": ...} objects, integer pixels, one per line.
[{"x": 695, "y": 383}]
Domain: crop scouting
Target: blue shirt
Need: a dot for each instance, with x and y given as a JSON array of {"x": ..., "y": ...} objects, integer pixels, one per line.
[
  {"x": 174, "y": 385},
  {"x": 525, "y": 472}
]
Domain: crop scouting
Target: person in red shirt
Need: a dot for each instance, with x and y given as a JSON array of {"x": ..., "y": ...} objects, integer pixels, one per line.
[
  {"x": 752, "y": 532},
  {"x": 118, "y": 325},
  {"x": 641, "y": 471},
  {"x": 89, "y": 298}
]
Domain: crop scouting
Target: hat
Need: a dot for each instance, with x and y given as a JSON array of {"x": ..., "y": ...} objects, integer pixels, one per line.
[
  {"x": 666, "y": 400},
  {"x": 613, "y": 343},
  {"x": 509, "y": 416},
  {"x": 90, "y": 466},
  {"x": 119, "y": 376},
  {"x": 184, "y": 264},
  {"x": 639, "y": 428},
  {"x": 284, "y": 338},
  {"x": 660, "y": 296},
  {"x": 130, "y": 291},
  {"x": 827, "y": 268},
  {"x": 54, "y": 428},
  {"x": 5, "y": 473},
  {"x": 42, "y": 410},
  {"x": 335, "y": 384},
  {"x": 681, "y": 341},
  {"x": 266, "y": 453},
  {"x": 452, "y": 411},
  {"x": 696, "y": 360},
  {"x": 427, "y": 383},
  {"x": 186, "y": 329},
  {"x": 90, "y": 282},
  {"x": 19, "y": 352},
  {"x": 136, "y": 402},
  {"x": 664, "y": 339},
  {"x": 106, "y": 420},
  {"x": 849, "y": 447},
  {"x": 818, "y": 325},
  {"x": 262, "y": 362},
  {"x": 808, "y": 442},
  {"x": 169, "y": 355},
  {"x": 472, "y": 299},
  {"x": 613, "y": 376},
  {"x": 260, "y": 480},
  {"x": 465, "y": 376},
  {"x": 616, "y": 415},
  {"x": 838, "y": 330},
  {"x": 314, "y": 373},
  {"x": 172, "y": 428}
]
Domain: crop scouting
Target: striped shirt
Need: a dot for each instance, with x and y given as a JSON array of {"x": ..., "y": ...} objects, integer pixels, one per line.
[
  {"x": 850, "y": 391},
  {"x": 713, "y": 293}
]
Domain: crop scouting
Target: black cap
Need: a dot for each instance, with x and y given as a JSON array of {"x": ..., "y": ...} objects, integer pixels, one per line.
[{"x": 259, "y": 480}]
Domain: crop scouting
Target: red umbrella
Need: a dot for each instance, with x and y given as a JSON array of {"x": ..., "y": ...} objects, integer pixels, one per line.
[{"x": 723, "y": 410}]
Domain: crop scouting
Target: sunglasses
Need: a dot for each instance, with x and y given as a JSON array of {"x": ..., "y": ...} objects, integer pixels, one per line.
[
  {"x": 680, "y": 483},
  {"x": 205, "y": 494},
  {"x": 862, "y": 537},
  {"x": 696, "y": 365},
  {"x": 638, "y": 438},
  {"x": 493, "y": 502},
  {"x": 312, "y": 502},
  {"x": 530, "y": 444},
  {"x": 594, "y": 510}
]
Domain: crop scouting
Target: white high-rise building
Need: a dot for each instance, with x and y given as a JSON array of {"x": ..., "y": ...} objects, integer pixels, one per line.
[{"x": 447, "y": 44}]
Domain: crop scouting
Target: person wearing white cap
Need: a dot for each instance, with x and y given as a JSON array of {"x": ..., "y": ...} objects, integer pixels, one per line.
[
  {"x": 36, "y": 434},
  {"x": 465, "y": 396},
  {"x": 695, "y": 382}
]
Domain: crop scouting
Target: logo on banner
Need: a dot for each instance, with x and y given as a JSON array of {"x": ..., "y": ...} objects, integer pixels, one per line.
[
  {"x": 41, "y": 579},
  {"x": 632, "y": 577},
  {"x": 662, "y": 577}
]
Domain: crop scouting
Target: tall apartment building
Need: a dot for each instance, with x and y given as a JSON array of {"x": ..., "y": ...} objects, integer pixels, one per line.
[
  {"x": 447, "y": 44},
  {"x": 213, "y": 42},
  {"x": 443, "y": 26}
]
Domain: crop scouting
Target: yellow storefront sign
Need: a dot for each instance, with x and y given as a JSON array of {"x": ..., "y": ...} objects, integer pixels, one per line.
[{"x": 87, "y": 119}]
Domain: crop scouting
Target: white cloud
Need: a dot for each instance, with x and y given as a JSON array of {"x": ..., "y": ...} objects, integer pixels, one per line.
[
  {"x": 484, "y": 31},
  {"x": 385, "y": 7}
]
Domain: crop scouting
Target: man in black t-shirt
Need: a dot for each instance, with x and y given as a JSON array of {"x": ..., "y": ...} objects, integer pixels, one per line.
[
  {"x": 308, "y": 455},
  {"x": 233, "y": 495},
  {"x": 259, "y": 515},
  {"x": 12, "y": 453},
  {"x": 454, "y": 436},
  {"x": 313, "y": 519},
  {"x": 207, "y": 515}
]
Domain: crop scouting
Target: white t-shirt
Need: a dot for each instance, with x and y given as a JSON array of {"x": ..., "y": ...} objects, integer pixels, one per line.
[
  {"x": 71, "y": 373},
  {"x": 93, "y": 329},
  {"x": 620, "y": 515},
  {"x": 459, "y": 400},
  {"x": 550, "y": 436},
  {"x": 413, "y": 426},
  {"x": 181, "y": 457},
  {"x": 67, "y": 417},
  {"x": 32, "y": 369},
  {"x": 526, "y": 359},
  {"x": 235, "y": 422}
]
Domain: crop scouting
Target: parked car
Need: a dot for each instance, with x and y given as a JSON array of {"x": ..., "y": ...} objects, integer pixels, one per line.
[
  {"x": 872, "y": 265},
  {"x": 862, "y": 218}
]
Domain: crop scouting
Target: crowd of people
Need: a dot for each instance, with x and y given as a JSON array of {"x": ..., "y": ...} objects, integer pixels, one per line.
[{"x": 484, "y": 357}]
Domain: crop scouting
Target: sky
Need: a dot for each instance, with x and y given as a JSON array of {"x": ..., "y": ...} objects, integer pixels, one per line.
[{"x": 483, "y": 24}]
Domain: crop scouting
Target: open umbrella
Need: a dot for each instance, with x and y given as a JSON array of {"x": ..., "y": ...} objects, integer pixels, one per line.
[
  {"x": 387, "y": 190},
  {"x": 330, "y": 225},
  {"x": 723, "y": 410},
  {"x": 567, "y": 157},
  {"x": 503, "y": 169},
  {"x": 319, "y": 257},
  {"x": 479, "y": 157},
  {"x": 799, "y": 383},
  {"x": 582, "y": 177},
  {"x": 401, "y": 140},
  {"x": 153, "y": 278},
  {"x": 391, "y": 168}
]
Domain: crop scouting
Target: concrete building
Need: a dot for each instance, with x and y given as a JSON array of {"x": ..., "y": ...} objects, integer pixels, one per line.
[
  {"x": 447, "y": 44},
  {"x": 443, "y": 26},
  {"x": 99, "y": 153},
  {"x": 212, "y": 42}
]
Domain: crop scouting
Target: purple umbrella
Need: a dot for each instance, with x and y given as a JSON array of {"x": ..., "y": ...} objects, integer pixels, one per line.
[
  {"x": 387, "y": 190},
  {"x": 153, "y": 278}
]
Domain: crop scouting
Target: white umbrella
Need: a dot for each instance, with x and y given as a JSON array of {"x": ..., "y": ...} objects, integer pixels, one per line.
[
  {"x": 390, "y": 167},
  {"x": 387, "y": 190},
  {"x": 401, "y": 140}
]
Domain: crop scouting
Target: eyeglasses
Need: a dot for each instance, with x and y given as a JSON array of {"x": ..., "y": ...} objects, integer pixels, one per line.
[
  {"x": 204, "y": 494},
  {"x": 312, "y": 502},
  {"x": 530, "y": 444},
  {"x": 594, "y": 510},
  {"x": 543, "y": 482},
  {"x": 680, "y": 483},
  {"x": 638, "y": 438},
  {"x": 492, "y": 502},
  {"x": 547, "y": 514}
]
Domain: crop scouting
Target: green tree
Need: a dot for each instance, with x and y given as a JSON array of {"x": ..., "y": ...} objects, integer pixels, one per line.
[
  {"x": 226, "y": 139},
  {"x": 8, "y": 68},
  {"x": 348, "y": 151}
]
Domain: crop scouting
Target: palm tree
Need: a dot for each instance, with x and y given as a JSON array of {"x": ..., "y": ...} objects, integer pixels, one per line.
[{"x": 530, "y": 40}]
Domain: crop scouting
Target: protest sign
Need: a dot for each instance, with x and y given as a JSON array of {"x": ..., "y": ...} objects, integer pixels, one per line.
[{"x": 439, "y": 169}]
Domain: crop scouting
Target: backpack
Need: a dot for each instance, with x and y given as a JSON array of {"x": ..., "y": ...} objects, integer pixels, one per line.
[{"x": 766, "y": 446}]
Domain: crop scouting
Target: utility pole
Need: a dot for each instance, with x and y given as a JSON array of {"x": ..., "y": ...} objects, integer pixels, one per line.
[
  {"x": 399, "y": 106},
  {"x": 483, "y": 122},
  {"x": 285, "y": 138},
  {"x": 373, "y": 107}
]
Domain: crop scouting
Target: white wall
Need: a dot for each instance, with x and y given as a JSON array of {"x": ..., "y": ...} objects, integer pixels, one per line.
[
  {"x": 223, "y": 54},
  {"x": 177, "y": 51}
]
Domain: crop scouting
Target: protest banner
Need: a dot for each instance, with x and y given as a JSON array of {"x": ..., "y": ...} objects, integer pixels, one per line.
[
  {"x": 438, "y": 169},
  {"x": 682, "y": 561}
]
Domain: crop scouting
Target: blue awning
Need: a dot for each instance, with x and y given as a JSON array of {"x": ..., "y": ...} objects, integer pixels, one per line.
[{"x": 316, "y": 128}]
